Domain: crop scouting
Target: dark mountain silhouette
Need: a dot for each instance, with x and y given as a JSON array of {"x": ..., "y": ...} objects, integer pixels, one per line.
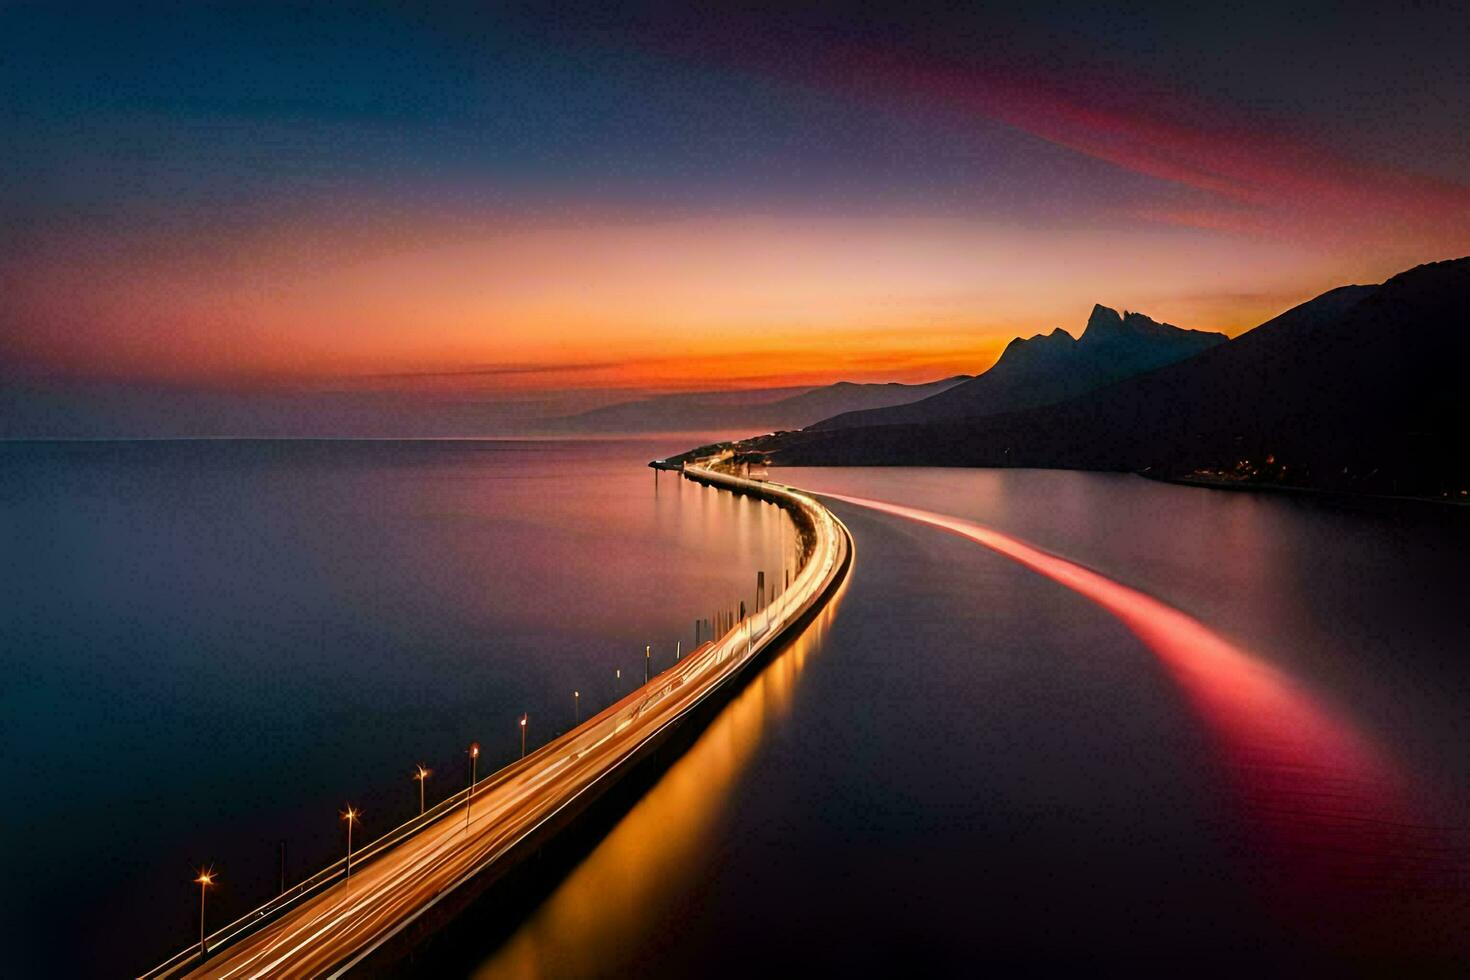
[
  {"x": 1361, "y": 389},
  {"x": 769, "y": 409},
  {"x": 1049, "y": 368}
]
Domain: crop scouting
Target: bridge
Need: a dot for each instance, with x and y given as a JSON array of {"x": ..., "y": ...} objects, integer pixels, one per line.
[{"x": 371, "y": 913}]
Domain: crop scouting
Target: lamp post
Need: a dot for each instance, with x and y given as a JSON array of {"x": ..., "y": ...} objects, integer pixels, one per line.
[
  {"x": 469, "y": 793},
  {"x": 420, "y": 774},
  {"x": 205, "y": 879},
  {"x": 647, "y": 661},
  {"x": 523, "y": 736},
  {"x": 350, "y": 815},
  {"x": 577, "y": 703}
]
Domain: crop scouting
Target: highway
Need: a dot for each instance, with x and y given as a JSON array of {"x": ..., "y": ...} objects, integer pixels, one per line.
[{"x": 329, "y": 931}]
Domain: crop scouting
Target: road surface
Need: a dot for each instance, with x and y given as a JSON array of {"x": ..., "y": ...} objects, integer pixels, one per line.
[{"x": 336, "y": 928}]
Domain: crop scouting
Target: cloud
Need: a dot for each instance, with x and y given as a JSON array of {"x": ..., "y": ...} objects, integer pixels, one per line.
[
  {"x": 1215, "y": 165},
  {"x": 499, "y": 370}
]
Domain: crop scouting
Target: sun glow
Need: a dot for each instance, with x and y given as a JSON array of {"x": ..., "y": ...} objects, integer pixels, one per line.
[{"x": 697, "y": 302}]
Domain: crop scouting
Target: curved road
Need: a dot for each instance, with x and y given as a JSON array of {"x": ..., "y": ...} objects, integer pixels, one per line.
[{"x": 332, "y": 931}]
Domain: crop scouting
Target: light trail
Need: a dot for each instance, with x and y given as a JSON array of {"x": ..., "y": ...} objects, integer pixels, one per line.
[
  {"x": 335, "y": 929},
  {"x": 591, "y": 924},
  {"x": 1344, "y": 838}
]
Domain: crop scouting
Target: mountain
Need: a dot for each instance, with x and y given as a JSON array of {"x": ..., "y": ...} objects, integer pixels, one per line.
[
  {"x": 761, "y": 409},
  {"x": 1049, "y": 368},
  {"x": 1361, "y": 389}
]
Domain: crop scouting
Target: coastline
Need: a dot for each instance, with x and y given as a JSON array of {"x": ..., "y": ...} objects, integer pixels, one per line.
[{"x": 1364, "y": 501}]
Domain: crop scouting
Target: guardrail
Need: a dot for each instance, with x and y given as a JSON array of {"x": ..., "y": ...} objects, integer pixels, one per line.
[{"x": 317, "y": 882}]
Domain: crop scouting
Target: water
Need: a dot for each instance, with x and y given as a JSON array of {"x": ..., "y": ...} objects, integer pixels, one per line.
[
  {"x": 961, "y": 766},
  {"x": 970, "y": 767},
  {"x": 210, "y": 647}
]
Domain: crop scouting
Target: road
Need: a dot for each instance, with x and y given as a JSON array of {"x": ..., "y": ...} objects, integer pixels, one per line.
[
  {"x": 1052, "y": 725},
  {"x": 336, "y": 928}
]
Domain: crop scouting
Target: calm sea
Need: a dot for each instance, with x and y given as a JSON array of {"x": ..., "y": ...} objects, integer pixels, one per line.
[
  {"x": 963, "y": 766},
  {"x": 967, "y": 768},
  {"x": 212, "y": 647}
]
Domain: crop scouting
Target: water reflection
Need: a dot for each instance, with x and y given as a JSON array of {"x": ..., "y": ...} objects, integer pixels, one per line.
[
  {"x": 252, "y": 633},
  {"x": 1352, "y": 857},
  {"x": 596, "y": 921}
]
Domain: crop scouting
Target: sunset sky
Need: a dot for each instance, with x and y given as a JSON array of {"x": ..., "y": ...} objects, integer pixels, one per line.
[{"x": 516, "y": 204}]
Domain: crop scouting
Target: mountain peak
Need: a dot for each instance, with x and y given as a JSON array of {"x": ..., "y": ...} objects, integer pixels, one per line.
[
  {"x": 1362, "y": 388},
  {"x": 1103, "y": 322},
  {"x": 1050, "y": 367},
  {"x": 1037, "y": 352},
  {"x": 1057, "y": 336}
]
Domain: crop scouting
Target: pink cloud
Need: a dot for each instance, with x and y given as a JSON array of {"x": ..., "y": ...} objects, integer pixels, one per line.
[{"x": 1242, "y": 173}]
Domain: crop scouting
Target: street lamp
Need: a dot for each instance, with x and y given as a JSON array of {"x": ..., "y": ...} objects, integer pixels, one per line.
[
  {"x": 523, "y": 736},
  {"x": 577, "y": 702},
  {"x": 350, "y": 815},
  {"x": 647, "y": 661},
  {"x": 205, "y": 879},
  {"x": 421, "y": 774},
  {"x": 474, "y": 756}
]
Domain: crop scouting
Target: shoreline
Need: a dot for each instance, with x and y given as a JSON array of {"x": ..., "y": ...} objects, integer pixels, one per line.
[
  {"x": 1360, "y": 500},
  {"x": 1346, "y": 497}
]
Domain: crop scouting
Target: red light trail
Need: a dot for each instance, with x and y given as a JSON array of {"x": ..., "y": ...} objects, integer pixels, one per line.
[{"x": 1343, "y": 840}]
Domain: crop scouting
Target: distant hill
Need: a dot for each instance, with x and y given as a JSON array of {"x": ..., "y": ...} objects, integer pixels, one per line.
[
  {"x": 764, "y": 409},
  {"x": 1049, "y": 368},
  {"x": 1361, "y": 389}
]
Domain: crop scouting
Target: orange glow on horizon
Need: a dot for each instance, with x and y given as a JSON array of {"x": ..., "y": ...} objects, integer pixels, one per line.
[{"x": 696, "y": 303}]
